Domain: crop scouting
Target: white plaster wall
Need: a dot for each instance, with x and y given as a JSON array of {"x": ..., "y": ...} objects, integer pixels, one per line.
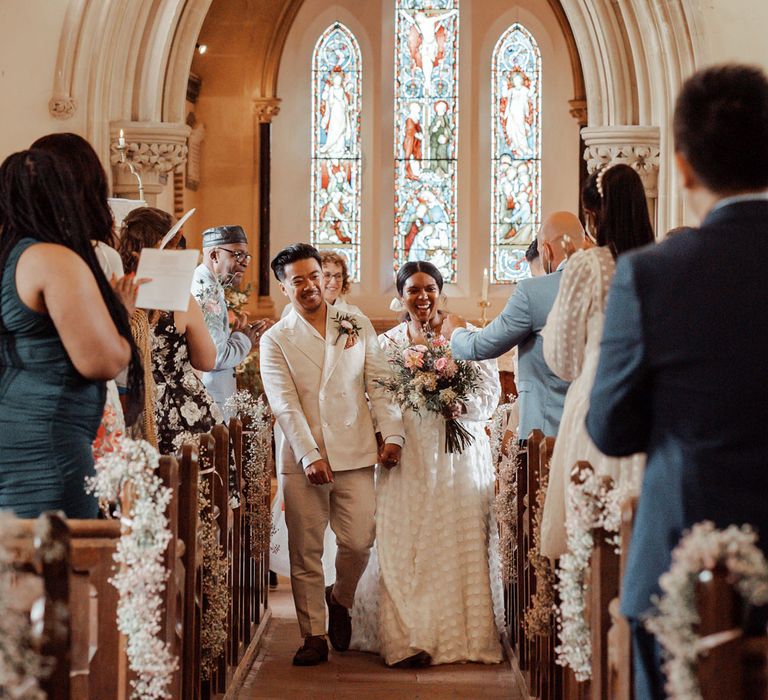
[
  {"x": 732, "y": 30},
  {"x": 29, "y": 40},
  {"x": 372, "y": 22}
]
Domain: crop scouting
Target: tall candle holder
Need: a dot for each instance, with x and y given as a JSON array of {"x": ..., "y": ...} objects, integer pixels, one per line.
[
  {"x": 122, "y": 149},
  {"x": 483, "y": 304}
]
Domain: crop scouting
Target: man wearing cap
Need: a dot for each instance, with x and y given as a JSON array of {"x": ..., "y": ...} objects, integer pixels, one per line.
[{"x": 225, "y": 259}]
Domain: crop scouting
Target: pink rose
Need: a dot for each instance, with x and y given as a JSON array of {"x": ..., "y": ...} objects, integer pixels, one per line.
[
  {"x": 441, "y": 363},
  {"x": 440, "y": 342}
]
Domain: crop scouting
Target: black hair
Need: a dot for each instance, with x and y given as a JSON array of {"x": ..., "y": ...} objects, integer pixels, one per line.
[
  {"x": 291, "y": 254},
  {"x": 38, "y": 199},
  {"x": 721, "y": 127},
  {"x": 411, "y": 268},
  {"x": 90, "y": 179},
  {"x": 619, "y": 207},
  {"x": 532, "y": 252}
]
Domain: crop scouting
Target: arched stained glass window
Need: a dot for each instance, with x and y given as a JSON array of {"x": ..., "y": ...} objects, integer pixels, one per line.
[
  {"x": 426, "y": 132},
  {"x": 516, "y": 152},
  {"x": 336, "y": 102}
]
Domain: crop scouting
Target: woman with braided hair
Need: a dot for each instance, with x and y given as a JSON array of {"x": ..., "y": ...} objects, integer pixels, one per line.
[{"x": 63, "y": 333}]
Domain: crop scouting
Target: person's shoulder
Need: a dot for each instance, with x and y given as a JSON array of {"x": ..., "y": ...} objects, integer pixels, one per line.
[
  {"x": 52, "y": 255},
  {"x": 394, "y": 335}
]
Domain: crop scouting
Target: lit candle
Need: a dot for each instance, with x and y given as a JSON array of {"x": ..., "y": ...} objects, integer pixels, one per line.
[
  {"x": 485, "y": 284},
  {"x": 121, "y": 139}
]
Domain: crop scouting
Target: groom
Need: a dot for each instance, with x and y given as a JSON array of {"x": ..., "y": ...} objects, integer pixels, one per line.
[{"x": 317, "y": 365}]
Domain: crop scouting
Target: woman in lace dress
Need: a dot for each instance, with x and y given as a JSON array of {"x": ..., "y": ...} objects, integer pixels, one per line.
[
  {"x": 432, "y": 591},
  {"x": 615, "y": 205},
  {"x": 179, "y": 341}
]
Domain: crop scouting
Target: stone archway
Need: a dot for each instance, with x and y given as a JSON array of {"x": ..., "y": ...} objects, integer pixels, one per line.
[{"x": 126, "y": 64}]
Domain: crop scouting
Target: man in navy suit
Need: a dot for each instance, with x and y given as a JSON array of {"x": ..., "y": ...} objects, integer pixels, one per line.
[
  {"x": 682, "y": 373},
  {"x": 542, "y": 392}
]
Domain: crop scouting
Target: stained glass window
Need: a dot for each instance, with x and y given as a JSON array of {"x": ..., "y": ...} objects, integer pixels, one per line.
[
  {"x": 426, "y": 132},
  {"x": 336, "y": 100},
  {"x": 516, "y": 156}
]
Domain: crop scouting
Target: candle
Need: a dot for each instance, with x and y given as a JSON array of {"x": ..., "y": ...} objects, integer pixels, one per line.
[
  {"x": 485, "y": 284},
  {"x": 121, "y": 139}
]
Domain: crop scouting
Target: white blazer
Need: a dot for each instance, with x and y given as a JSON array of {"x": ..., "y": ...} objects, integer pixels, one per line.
[{"x": 317, "y": 391}]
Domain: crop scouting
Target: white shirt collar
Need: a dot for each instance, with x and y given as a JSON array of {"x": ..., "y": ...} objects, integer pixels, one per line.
[{"x": 739, "y": 198}]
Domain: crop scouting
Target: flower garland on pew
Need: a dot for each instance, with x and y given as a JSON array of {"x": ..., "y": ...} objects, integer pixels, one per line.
[
  {"x": 505, "y": 503},
  {"x": 140, "y": 580},
  {"x": 700, "y": 549},
  {"x": 538, "y": 617},
  {"x": 593, "y": 503},
  {"x": 21, "y": 666},
  {"x": 256, "y": 466},
  {"x": 213, "y": 628}
]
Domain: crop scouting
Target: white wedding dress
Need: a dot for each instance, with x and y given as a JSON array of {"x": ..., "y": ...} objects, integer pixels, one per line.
[
  {"x": 572, "y": 349},
  {"x": 433, "y": 583}
]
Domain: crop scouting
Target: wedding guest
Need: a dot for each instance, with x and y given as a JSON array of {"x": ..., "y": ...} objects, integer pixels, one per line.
[
  {"x": 91, "y": 181},
  {"x": 614, "y": 200},
  {"x": 433, "y": 593},
  {"x": 63, "y": 333},
  {"x": 179, "y": 342},
  {"x": 337, "y": 283},
  {"x": 541, "y": 392},
  {"x": 225, "y": 260},
  {"x": 682, "y": 372}
]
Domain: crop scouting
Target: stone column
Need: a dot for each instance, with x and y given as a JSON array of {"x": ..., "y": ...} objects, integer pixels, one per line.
[
  {"x": 637, "y": 146},
  {"x": 154, "y": 148},
  {"x": 264, "y": 110},
  {"x": 578, "y": 110}
]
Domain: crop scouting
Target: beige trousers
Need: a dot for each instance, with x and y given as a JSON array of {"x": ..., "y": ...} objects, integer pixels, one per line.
[{"x": 349, "y": 505}]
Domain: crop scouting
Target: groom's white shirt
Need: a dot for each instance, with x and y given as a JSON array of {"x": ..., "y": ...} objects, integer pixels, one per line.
[{"x": 317, "y": 391}]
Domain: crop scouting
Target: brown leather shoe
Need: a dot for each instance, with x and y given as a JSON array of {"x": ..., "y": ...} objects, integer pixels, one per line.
[
  {"x": 313, "y": 652},
  {"x": 339, "y": 622}
]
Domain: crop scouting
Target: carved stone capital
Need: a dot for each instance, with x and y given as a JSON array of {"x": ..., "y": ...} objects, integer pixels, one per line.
[
  {"x": 266, "y": 108},
  {"x": 636, "y": 146},
  {"x": 62, "y": 107},
  {"x": 578, "y": 110},
  {"x": 150, "y": 146}
]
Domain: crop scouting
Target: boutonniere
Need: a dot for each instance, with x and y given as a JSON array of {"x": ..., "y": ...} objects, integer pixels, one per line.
[{"x": 347, "y": 325}]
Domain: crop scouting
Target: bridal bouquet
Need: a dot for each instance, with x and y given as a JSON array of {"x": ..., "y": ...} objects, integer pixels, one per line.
[{"x": 427, "y": 377}]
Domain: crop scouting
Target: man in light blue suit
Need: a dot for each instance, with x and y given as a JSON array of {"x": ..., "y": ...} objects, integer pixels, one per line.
[
  {"x": 542, "y": 393},
  {"x": 225, "y": 260}
]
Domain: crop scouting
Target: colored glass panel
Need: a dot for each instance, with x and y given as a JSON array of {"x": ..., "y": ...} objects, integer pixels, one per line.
[
  {"x": 426, "y": 132},
  {"x": 516, "y": 152},
  {"x": 336, "y": 166}
]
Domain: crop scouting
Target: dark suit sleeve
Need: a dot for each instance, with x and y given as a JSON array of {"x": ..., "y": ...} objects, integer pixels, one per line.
[
  {"x": 619, "y": 409},
  {"x": 510, "y": 328}
]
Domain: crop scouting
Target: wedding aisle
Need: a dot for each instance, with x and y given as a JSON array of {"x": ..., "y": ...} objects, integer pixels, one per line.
[{"x": 357, "y": 675}]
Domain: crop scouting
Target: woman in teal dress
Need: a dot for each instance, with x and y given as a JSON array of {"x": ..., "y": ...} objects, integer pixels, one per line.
[{"x": 63, "y": 333}]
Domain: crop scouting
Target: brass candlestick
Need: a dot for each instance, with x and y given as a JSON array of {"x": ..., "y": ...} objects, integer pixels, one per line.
[
  {"x": 483, "y": 304},
  {"x": 122, "y": 149}
]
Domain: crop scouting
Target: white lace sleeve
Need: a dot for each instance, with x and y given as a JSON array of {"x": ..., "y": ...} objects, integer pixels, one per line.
[
  {"x": 565, "y": 334},
  {"x": 482, "y": 405}
]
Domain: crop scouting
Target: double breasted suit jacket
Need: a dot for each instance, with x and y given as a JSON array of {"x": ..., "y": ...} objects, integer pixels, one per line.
[{"x": 317, "y": 390}]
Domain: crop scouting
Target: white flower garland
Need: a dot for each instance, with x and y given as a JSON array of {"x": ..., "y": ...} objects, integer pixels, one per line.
[
  {"x": 702, "y": 548},
  {"x": 20, "y": 665},
  {"x": 593, "y": 503},
  {"x": 505, "y": 503},
  {"x": 141, "y": 578},
  {"x": 256, "y": 467}
]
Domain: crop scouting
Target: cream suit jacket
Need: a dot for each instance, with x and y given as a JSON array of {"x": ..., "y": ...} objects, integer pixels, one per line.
[{"x": 317, "y": 391}]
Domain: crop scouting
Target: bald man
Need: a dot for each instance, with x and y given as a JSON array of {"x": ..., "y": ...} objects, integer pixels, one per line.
[{"x": 542, "y": 393}]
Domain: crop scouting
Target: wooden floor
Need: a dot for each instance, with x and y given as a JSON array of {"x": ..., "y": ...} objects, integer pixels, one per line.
[{"x": 357, "y": 675}]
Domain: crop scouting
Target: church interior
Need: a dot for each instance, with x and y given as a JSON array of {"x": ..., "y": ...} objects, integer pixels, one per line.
[{"x": 303, "y": 121}]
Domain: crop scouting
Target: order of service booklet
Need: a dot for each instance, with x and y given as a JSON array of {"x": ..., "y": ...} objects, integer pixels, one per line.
[{"x": 170, "y": 272}]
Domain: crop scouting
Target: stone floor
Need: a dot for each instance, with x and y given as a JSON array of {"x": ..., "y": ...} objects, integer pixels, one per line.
[{"x": 360, "y": 676}]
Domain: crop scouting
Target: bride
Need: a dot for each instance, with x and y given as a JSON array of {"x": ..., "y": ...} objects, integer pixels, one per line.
[{"x": 432, "y": 591}]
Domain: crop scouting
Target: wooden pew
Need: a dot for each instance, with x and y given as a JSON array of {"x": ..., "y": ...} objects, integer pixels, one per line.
[
  {"x": 620, "y": 678},
  {"x": 192, "y": 561},
  {"x": 237, "y": 565},
  {"x": 40, "y": 555},
  {"x": 736, "y": 667}
]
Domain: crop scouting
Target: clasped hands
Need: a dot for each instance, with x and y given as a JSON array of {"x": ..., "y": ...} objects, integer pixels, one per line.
[
  {"x": 320, "y": 472},
  {"x": 254, "y": 330}
]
